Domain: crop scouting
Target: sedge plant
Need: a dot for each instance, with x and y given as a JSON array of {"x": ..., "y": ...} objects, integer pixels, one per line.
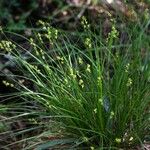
[{"x": 94, "y": 92}]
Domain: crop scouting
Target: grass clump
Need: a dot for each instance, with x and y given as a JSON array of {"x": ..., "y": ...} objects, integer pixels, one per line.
[{"x": 96, "y": 92}]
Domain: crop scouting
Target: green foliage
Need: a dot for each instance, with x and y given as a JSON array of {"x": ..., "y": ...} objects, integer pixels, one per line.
[
  {"x": 96, "y": 92},
  {"x": 14, "y": 13}
]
